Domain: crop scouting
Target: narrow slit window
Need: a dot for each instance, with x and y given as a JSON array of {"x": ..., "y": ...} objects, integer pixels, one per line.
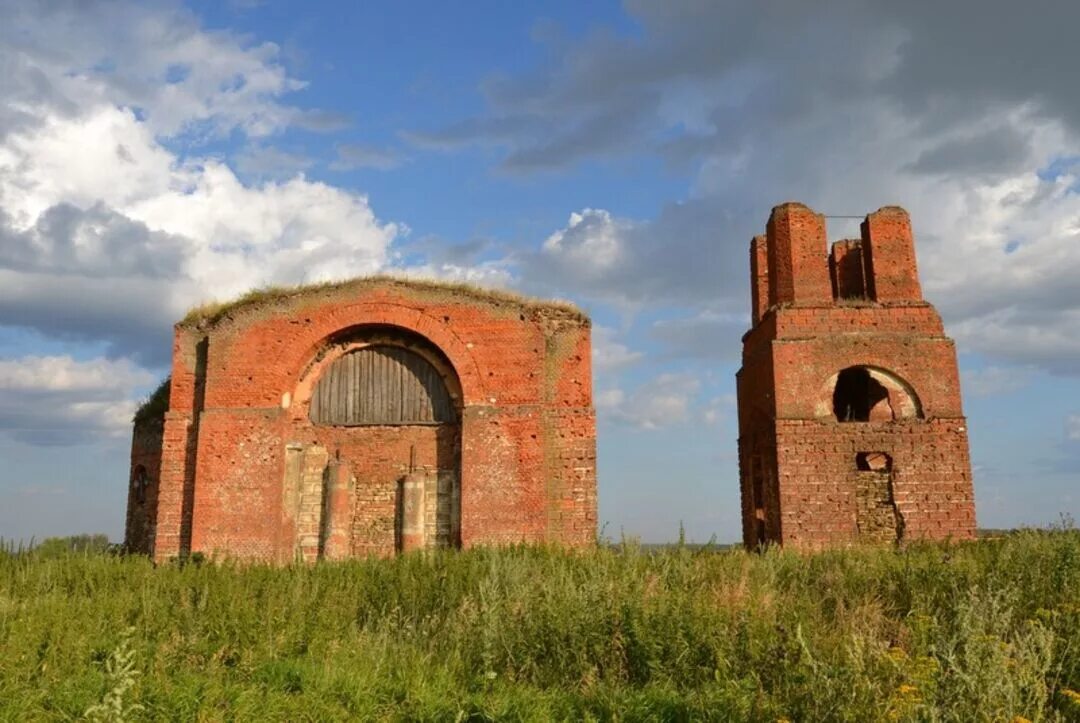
[{"x": 139, "y": 482}]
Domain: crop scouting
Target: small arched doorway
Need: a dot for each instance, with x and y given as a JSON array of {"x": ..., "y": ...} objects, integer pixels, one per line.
[{"x": 385, "y": 409}]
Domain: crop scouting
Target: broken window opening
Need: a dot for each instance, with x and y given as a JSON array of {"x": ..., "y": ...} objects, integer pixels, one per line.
[
  {"x": 876, "y": 514},
  {"x": 859, "y": 397},
  {"x": 873, "y": 462}
]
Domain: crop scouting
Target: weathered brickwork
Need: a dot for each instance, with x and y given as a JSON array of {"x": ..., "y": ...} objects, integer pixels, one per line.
[
  {"x": 141, "y": 515},
  {"x": 850, "y": 421},
  {"x": 238, "y": 468}
]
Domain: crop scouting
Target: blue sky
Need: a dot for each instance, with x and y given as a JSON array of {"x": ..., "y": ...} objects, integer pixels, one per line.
[{"x": 156, "y": 155}]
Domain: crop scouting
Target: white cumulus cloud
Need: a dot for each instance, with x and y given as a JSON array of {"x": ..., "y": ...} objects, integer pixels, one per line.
[
  {"x": 590, "y": 242},
  {"x": 58, "y": 400},
  {"x": 608, "y": 353},
  {"x": 667, "y": 400},
  {"x": 112, "y": 221}
]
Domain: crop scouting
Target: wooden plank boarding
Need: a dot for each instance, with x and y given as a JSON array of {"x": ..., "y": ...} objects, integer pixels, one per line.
[{"x": 386, "y": 384}]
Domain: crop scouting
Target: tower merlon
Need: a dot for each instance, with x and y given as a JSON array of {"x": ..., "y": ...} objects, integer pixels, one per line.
[
  {"x": 798, "y": 273},
  {"x": 889, "y": 256}
]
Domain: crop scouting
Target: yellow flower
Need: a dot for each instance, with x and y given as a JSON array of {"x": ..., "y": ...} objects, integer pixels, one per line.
[
  {"x": 1020, "y": 719},
  {"x": 1071, "y": 695},
  {"x": 907, "y": 689}
]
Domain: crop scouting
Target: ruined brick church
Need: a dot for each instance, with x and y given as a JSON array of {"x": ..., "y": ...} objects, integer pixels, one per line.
[
  {"x": 365, "y": 418},
  {"x": 850, "y": 422},
  {"x": 379, "y": 415}
]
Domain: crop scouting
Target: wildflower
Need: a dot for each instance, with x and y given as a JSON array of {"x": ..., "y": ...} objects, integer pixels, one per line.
[
  {"x": 1021, "y": 719},
  {"x": 907, "y": 690}
]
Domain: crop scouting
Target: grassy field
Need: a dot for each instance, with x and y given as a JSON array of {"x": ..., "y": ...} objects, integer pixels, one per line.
[{"x": 984, "y": 631}]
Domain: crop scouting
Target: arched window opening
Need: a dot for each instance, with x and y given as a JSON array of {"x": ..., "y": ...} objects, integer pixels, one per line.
[
  {"x": 381, "y": 385},
  {"x": 867, "y": 394},
  {"x": 139, "y": 482},
  {"x": 860, "y": 398}
]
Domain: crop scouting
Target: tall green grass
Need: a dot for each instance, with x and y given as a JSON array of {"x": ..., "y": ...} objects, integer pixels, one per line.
[{"x": 977, "y": 632}]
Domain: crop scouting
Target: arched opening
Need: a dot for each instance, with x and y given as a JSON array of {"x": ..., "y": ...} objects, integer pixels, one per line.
[
  {"x": 381, "y": 384},
  {"x": 866, "y": 394},
  {"x": 384, "y": 407},
  {"x": 857, "y": 395}
]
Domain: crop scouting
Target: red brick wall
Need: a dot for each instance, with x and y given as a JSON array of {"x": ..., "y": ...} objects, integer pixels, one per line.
[
  {"x": 526, "y": 441},
  {"x": 377, "y": 458},
  {"x": 847, "y": 269},
  {"x": 890, "y": 256},
  {"x": 874, "y": 318},
  {"x": 795, "y": 240},
  {"x": 931, "y": 478}
]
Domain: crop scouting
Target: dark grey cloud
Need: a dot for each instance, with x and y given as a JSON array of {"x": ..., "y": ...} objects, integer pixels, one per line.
[
  {"x": 977, "y": 54},
  {"x": 92, "y": 275},
  {"x": 606, "y": 131},
  {"x": 133, "y": 317},
  {"x": 706, "y": 335},
  {"x": 25, "y": 86},
  {"x": 991, "y": 153},
  {"x": 691, "y": 252},
  {"x": 748, "y": 68},
  {"x": 356, "y": 155},
  {"x": 261, "y": 162},
  {"x": 496, "y": 130},
  {"x": 759, "y": 64},
  {"x": 439, "y": 251},
  {"x": 321, "y": 121},
  {"x": 44, "y": 419},
  {"x": 92, "y": 242},
  {"x": 844, "y": 105}
]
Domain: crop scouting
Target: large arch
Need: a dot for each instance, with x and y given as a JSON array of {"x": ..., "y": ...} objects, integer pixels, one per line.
[
  {"x": 360, "y": 336},
  {"x": 400, "y": 480},
  {"x": 437, "y": 333},
  {"x": 864, "y": 393}
]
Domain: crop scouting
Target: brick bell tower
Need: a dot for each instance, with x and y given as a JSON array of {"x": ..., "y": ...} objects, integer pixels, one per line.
[{"x": 850, "y": 422}]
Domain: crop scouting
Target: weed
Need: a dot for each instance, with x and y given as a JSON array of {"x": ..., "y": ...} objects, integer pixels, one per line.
[{"x": 987, "y": 630}]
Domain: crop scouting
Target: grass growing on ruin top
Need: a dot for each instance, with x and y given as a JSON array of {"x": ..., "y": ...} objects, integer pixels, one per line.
[
  {"x": 153, "y": 408},
  {"x": 213, "y": 312},
  {"x": 980, "y": 631}
]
